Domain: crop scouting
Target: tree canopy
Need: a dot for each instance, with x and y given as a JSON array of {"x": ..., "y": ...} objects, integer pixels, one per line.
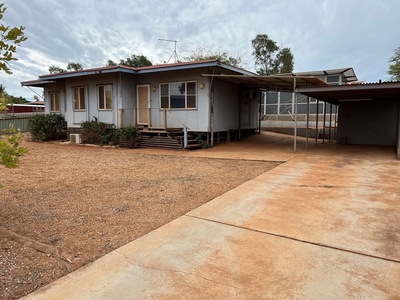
[
  {"x": 270, "y": 58},
  {"x": 223, "y": 56},
  {"x": 394, "y": 66},
  {"x": 134, "y": 61},
  {"x": 11, "y": 37},
  {"x": 71, "y": 66},
  {"x": 10, "y": 151}
]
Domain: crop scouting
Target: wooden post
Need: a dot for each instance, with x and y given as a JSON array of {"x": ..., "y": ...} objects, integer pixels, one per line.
[
  {"x": 149, "y": 116},
  {"x": 134, "y": 117},
  {"x": 165, "y": 119},
  {"x": 121, "y": 118}
]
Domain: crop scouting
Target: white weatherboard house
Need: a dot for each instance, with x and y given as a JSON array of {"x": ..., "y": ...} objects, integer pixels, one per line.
[{"x": 155, "y": 98}]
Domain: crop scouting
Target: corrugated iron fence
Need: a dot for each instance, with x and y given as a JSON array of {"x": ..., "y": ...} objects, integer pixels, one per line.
[{"x": 20, "y": 122}]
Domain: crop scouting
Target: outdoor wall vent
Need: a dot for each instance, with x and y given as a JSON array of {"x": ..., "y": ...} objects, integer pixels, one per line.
[{"x": 75, "y": 138}]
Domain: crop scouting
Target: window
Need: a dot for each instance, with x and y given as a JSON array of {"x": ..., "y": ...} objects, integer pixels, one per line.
[
  {"x": 54, "y": 101},
  {"x": 105, "y": 96},
  {"x": 178, "y": 95},
  {"x": 79, "y": 98},
  {"x": 333, "y": 79}
]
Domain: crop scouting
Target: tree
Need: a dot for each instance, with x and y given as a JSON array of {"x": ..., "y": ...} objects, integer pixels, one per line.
[
  {"x": 10, "y": 39},
  {"x": 72, "y": 66},
  {"x": 394, "y": 67},
  {"x": 134, "y": 61},
  {"x": 56, "y": 70},
  {"x": 223, "y": 56},
  {"x": 269, "y": 57}
]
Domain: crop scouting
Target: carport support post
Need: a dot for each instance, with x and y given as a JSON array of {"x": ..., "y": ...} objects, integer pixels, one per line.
[
  {"x": 330, "y": 122},
  {"x": 295, "y": 115},
  {"x": 260, "y": 112},
  {"x": 316, "y": 125},
  {"x": 308, "y": 120},
  {"x": 323, "y": 126}
]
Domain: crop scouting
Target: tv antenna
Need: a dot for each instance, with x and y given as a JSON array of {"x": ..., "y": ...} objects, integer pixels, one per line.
[{"x": 174, "y": 54}]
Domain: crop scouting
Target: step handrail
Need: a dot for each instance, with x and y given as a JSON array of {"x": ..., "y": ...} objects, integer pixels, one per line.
[{"x": 185, "y": 129}]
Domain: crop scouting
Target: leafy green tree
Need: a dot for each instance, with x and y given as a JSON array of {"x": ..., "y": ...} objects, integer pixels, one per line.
[
  {"x": 111, "y": 63},
  {"x": 9, "y": 99},
  {"x": 74, "y": 66},
  {"x": 223, "y": 56},
  {"x": 56, "y": 70},
  {"x": 10, "y": 39},
  {"x": 269, "y": 57},
  {"x": 394, "y": 66},
  {"x": 134, "y": 61}
]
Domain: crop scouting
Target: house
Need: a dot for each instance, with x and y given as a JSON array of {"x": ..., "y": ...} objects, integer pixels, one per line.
[{"x": 155, "y": 98}]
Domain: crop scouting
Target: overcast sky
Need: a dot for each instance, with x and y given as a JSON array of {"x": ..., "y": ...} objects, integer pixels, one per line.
[{"x": 322, "y": 34}]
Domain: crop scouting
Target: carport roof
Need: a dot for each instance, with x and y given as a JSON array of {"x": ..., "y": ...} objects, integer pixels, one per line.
[
  {"x": 270, "y": 83},
  {"x": 353, "y": 92}
]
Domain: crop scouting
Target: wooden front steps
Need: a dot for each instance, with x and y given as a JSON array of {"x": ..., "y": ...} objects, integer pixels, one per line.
[{"x": 172, "y": 138}]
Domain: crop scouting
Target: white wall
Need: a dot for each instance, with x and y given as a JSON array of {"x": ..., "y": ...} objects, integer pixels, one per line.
[
  {"x": 75, "y": 118},
  {"x": 196, "y": 119}
]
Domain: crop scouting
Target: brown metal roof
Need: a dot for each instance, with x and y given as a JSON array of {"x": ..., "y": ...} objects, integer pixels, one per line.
[
  {"x": 353, "y": 92},
  {"x": 270, "y": 83}
]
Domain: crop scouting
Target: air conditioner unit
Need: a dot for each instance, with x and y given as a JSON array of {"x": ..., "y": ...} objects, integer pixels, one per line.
[{"x": 75, "y": 138}]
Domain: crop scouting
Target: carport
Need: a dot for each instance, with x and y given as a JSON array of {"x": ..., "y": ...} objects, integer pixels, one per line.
[
  {"x": 369, "y": 114},
  {"x": 272, "y": 83}
]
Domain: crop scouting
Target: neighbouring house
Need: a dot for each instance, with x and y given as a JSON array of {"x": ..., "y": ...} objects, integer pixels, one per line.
[
  {"x": 155, "y": 99},
  {"x": 27, "y": 108}
]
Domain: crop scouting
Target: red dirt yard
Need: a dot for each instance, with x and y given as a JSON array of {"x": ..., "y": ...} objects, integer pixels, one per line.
[{"x": 66, "y": 205}]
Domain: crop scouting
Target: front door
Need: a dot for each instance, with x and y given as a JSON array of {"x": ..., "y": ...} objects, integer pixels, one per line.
[{"x": 143, "y": 104}]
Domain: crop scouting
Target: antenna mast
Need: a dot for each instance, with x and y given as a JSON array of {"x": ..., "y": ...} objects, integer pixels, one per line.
[{"x": 174, "y": 54}]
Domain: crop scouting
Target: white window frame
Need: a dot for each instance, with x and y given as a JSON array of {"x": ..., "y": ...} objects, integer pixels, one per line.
[
  {"x": 79, "y": 100},
  {"x": 186, "y": 95},
  {"x": 104, "y": 96},
  {"x": 53, "y": 101}
]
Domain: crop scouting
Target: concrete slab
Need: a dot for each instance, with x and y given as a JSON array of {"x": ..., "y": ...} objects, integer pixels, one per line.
[
  {"x": 323, "y": 225},
  {"x": 311, "y": 199},
  {"x": 198, "y": 259}
]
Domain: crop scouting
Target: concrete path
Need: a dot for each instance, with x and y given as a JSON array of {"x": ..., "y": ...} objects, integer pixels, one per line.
[{"x": 323, "y": 225}]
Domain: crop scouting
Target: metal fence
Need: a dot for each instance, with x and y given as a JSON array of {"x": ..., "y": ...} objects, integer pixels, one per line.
[{"x": 20, "y": 122}]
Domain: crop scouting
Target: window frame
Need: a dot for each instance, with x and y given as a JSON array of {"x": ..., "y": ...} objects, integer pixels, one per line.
[
  {"x": 105, "y": 98},
  {"x": 168, "y": 84},
  {"x": 85, "y": 96},
  {"x": 52, "y": 101}
]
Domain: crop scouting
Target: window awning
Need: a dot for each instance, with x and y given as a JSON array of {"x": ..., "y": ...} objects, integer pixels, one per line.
[{"x": 270, "y": 83}]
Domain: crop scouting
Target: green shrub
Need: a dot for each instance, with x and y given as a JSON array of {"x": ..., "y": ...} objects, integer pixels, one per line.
[
  {"x": 129, "y": 137},
  {"x": 201, "y": 137},
  {"x": 95, "y": 132},
  {"x": 46, "y": 127}
]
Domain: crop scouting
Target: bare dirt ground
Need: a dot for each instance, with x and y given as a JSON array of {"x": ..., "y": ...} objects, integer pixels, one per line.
[{"x": 66, "y": 206}]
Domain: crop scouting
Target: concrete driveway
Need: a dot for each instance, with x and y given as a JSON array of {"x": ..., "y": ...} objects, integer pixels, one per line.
[{"x": 323, "y": 225}]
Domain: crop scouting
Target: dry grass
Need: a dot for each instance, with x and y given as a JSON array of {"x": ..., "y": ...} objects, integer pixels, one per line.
[{"x": 88, "y": 201}]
